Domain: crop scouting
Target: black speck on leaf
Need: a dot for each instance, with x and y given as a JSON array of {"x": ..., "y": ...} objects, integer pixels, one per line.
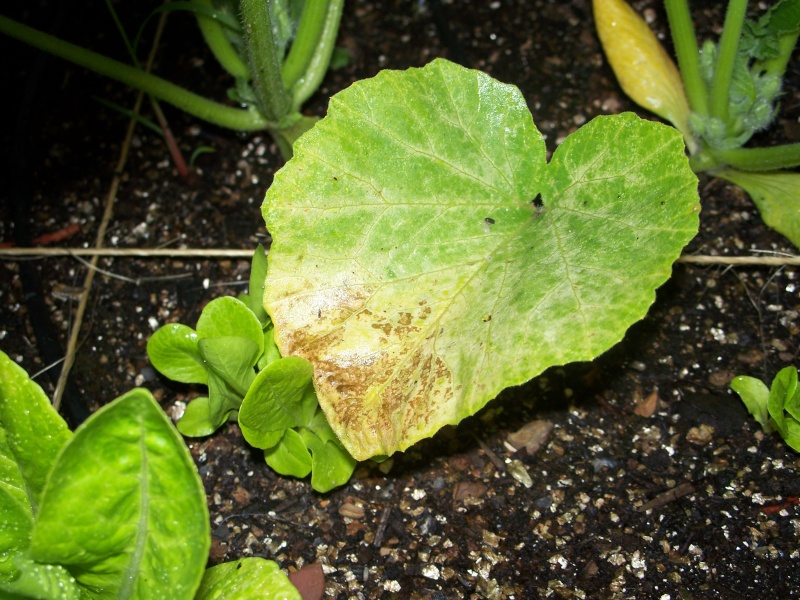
[{"x": 489, "y": 220}]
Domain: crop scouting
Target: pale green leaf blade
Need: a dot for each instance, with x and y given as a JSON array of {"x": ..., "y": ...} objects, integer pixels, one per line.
[
  {"x": 245, "y": 579},
  {"x": 331, "y": 465},
  {"x": 222, "y": 400},
  {"x": 196, "y": 419},
  {"x": 173, "y": 351},
  {"x": 124, "y": 509},
  {"x": 255, "y": 292},
  {"x": 35, "y": 431},
  {"x": 259, "y": 438},
  {"x": 230, "y": 317},
  {"x": 755, "y": 396},
  {"x": 232, "y": 358},
  {"x": 16, "y": 512},
  {"x": 290, "y": 456},
  {"x": 274, "y": 401},
  {"x": 271, "y": 352},
  {"x": 777, "y": 196},
  {"x": 413, "y": 268}
]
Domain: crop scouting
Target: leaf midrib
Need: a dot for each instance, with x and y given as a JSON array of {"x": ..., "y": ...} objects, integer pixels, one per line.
[{"x": 133, "y": 570}]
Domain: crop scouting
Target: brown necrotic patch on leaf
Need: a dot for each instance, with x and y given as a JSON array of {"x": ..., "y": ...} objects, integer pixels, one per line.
[{"x": 375, "y": 389}]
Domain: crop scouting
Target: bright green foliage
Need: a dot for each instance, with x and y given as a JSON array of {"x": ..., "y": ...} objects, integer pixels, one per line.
[
  {"x": 777, "y": 408},
  {"x": 31, "y": 434},
  {"x": 426, "y": 255},
  {"x": 233, "y": 352},
  {"x": 101, "y": 509},
  {"x": 115, "y": 511},
  {"x": 246, "y": 579},
  {"x": 123, "y": 509}
]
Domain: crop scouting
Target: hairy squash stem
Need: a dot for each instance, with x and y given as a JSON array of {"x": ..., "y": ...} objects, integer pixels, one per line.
[{"x": 265, "y": 64}]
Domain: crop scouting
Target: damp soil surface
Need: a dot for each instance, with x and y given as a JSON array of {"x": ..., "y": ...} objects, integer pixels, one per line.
[{"x": 650, "y": 480}]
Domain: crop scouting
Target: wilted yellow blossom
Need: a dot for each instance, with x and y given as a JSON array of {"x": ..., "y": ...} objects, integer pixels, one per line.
[{"x": 643, "y": 68}]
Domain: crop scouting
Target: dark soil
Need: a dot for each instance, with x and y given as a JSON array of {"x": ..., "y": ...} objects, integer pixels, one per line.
[{"x": 693, "y": 501}]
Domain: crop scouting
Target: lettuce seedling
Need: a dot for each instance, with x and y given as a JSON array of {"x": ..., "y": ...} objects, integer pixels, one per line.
[
  {"x": 115, "y": 510},
  {"x": 426, "y": 255},
  {"x": 776, "y": 408},
  {"x": 723, "y": 93},
  {"x": 232, "y": 351}
]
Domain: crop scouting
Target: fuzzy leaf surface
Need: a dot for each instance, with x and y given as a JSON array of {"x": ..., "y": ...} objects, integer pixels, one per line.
[{"x": 414, "y": 266}]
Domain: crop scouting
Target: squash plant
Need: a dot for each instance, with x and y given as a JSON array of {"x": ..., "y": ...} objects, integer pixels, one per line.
[
  {"x": 277, "y": 51},
  {"x": 723, "y": 93},
  {"x": 115, "y": 510}
]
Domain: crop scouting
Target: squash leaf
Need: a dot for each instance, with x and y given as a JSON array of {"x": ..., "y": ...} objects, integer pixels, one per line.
[{"x": 426, "y": 256}]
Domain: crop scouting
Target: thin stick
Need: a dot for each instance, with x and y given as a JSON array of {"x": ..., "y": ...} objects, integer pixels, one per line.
[
  {"x": 769, "y": 261},
  {"x": 11, "y": 253},
  {"x": 17, "y": 253},
  {"x": 72, "y": 345}
]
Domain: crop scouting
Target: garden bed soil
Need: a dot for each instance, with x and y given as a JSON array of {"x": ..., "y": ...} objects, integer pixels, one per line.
[{"x": 651, "y": 480}]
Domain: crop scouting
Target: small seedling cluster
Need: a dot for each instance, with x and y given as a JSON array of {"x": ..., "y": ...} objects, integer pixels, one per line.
[
  {"x": 776, "y": 408},
  {"x": 232, "y": 352}
]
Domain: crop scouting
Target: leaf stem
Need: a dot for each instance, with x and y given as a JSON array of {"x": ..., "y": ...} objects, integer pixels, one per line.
[
  {"x": 265, "y": 65},
  {"x": 320, "y": 61},
  {"x": 685, "y": 41},
  {"x": 309, "y": 33},
  {"x": 726, "y": 58},
  {"x": 786, "y": 156},
  {"x": 218, "y": 43},
  {"x": 194, "y": 104}
]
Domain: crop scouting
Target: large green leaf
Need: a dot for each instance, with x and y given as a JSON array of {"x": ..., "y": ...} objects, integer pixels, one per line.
[
  {"x": 124, "y": 509},
  {"x": 426, "y": 256}
]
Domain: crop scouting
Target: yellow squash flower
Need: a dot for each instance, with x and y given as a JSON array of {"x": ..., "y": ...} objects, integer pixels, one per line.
[{"x": 643, "y": 68}]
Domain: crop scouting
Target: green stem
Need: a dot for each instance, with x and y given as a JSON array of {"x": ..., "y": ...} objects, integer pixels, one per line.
[
  {"x": 265, "y": 65},
  {"x": 685, "y": 41},
  {"x": 309, "y": 32},
  {"x": 726, "y": 59},
  {"x": 321, "y": 60},
  {"x": 214, "y": 35},
  {"x": 786, "y": 44},
  {"x": 202, "y": 108},
  {"x": 772, "y": 158}
]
